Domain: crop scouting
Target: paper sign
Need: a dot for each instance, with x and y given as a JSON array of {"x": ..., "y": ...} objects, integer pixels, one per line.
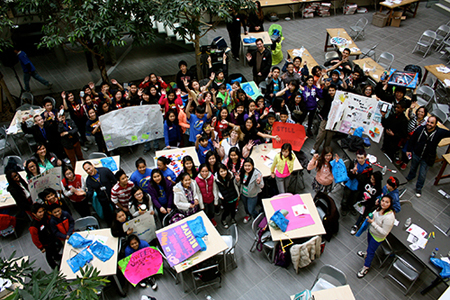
[
  {"x": 288, "y": 203},
  {"x": 300, "y": 209},
  {"x": 178, "y": 243},
  {"x": 48, "y": 179},
  {"x": 141, "y": 264},
  {"x": 143, "y": 226},
  {"x": 293, "y": 134},
  {"x": 416, "y": 231}
]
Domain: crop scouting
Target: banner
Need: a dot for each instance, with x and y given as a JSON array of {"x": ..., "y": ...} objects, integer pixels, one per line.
[
  {"x": 350, "y": 111},
  {"x": 293, "y": 134},
  {"x": 143, "y": 226},
  {"x": 178, "y": 243},
  {"x": 132, "y": 125},
  {"x": 141, "y": 264},
  {"x": 49, "y": 179},
  {"x": 176, "y": 160}
]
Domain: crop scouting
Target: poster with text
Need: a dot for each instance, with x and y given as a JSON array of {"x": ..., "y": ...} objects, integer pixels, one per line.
[
  {"x": 293, "y": 134},
  {"x": 141, "y": 264},
  {"x": 143, "y": 226},
  {"x": 132, "y": 125},
  {"x": 178, "y": 243},
  {"x": 48, "y": 179}
]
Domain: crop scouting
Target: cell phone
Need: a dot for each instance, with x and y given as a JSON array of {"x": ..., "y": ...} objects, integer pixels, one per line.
[
  {"x": 384, "y": 108},
  {"x": 125, "y": 85},
  {"x": 81, "y": 94}
]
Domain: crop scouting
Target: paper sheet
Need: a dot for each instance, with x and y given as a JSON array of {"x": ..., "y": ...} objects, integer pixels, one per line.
[
  {"x": 444, "y": 70},
  {"x": 447, "y": 82},
  {"x": 416, "y": 231},
  {"x": 12, "y": 129},
  {"x": 396, "y": 222},
  {"x": 300, "y": 209}
]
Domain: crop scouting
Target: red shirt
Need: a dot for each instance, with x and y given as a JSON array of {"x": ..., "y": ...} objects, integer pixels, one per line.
[{"x": 120, "y": 194}]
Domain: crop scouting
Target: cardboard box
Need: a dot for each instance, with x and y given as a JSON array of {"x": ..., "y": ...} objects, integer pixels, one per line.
[
  {"x": 379, "y": 19},
  {"x": 397, "y": 17}
]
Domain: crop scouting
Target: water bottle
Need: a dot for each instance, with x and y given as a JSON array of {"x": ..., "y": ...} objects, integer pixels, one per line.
[
  {"x": 31, "y": 111},
  {"x": 208, "y": 297},
  {"x": 434, "y": 252},
  {"x": 408, "y": 222},
  {"x": 384, "y": 170}
]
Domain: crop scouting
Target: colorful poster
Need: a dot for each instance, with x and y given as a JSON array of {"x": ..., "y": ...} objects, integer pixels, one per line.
[
  {"x": 178, "y": 243},
  {"x": 141, "y": 264},
  {"x": 176, "y": 158},
  {"x": 293, "y": 134},
  {"x": 49, "y": 179},
  {"x": 251, "y": 89},
  {"x": 143, "y": 226},
  {"x": 298, "y": 216},
  {"x": 132, "y": 125}
]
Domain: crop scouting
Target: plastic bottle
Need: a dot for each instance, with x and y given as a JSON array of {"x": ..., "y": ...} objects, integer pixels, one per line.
[
  {"x": 208, "y": 297},
  {"x": 408, "y": 222},
  {"x": 384, "y": 170},
  {"x": 434, "y": 252},
  {"x": 370, "y": 215}
]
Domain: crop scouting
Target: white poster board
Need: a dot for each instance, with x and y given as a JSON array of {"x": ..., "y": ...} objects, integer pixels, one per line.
[
  {"x": 350, "y": 111},
  {"x": 49, "y": 179},
  {"x": 143, "y": 226},
  {"x": 132, "y": 125}
]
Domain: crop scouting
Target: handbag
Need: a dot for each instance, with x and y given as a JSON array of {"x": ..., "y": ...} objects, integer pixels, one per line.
[{"x": 279, "y": 221}]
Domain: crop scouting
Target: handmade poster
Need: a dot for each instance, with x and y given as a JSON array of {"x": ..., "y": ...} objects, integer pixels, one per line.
[
  {"x": 143, "y": 226},
  {"x": 293, "y": 134},
  {"x": 178, "y": 243},
  {"x": 49, "y": 179},
  {"x": 175, "y": 165},
  {"x": 403, "y": 78},
  {"x": 350, "y": 111},
  {"x": 132, "y": 125},
  {"x": 251, "y": 89},
  {"x": 141, "y": 264},
  {"x": 298, "y": 218}
]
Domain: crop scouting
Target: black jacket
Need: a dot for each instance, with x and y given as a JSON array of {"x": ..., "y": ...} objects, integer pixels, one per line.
[
  {"x": 37, "y": 133},
  {"x": 70, "y": 139},
  {"x": 266, "y": 63},
  {"x": 106, "y": 180},
  {"x": 227, "y": 190},
  {"x": 398, "y": 124},
  {"x": 424, "y": 144},
  {"x": 388, "y": 95},
  {"x": 18, "y": 194}
]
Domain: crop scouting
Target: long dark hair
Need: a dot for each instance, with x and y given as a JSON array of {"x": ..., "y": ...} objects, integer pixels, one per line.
[
  {"x": 238, "y": 163},
  {"x": 31, "y": 160},
  {"x": 391, "y": 206},
  {"x": 321, "y": 161},
  {"x": 194, "y": 168},
  {"x": 65, "y": 169},
  {"x": 10, "y": 179},
  {"x": 287, "y": 146},
  {"x": 133, "y": 237},
  {"x": 47, "y": 154},
  {"x": 220, "y": 178},
  {"x": 170, "y": 123},
  {"x": 163, "y": 180},
  {"x": 248, "y": 160},
  {"x": 145, "y": 199},
  {"x": 208, "y": 155}
]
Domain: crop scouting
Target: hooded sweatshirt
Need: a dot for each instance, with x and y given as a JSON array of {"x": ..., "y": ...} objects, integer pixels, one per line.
[
  {"x": 395, "y": 198},
  {"x": 180, "y": 197},
  {"x": 208, "y": 188}
]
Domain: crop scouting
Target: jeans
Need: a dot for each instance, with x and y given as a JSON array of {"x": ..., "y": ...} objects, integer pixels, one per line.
[
  {"x": 311, "y": 114},
  {"x": 282, "y": 183},
  {"x": 209, "y": 210},
  {"x": 35, "y": 75},
  {"x": 417, "y": 162},
  {"x": 250, "y": 205},
  {"x": 148, "y": 145},
  {"x": 371, "y": 248},
  {"x": 323, "y": 135}
]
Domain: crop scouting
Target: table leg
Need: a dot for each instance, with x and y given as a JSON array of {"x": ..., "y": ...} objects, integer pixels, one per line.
[
  {"x": 326, "y": 43},
  {"x": 441, "y": 171},
  {"x": 182, "y": 281},
  {"x": 415, "y": 11},
  {"x": 119, "y": 286},
  {"x": 390, "y": 17},
  {"x": 435, "y": 282},
  {"x": 425, "y": 76},
  {"x": 381, "y": 8}
]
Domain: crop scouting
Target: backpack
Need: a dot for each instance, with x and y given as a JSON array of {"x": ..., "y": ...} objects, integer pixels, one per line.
[
  {"x": 282, "y": 257},
  {"x": 353, "y": 143},
  {"x": 262, "y": 228}
]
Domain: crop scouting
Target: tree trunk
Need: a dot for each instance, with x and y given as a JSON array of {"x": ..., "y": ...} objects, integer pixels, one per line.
[
  {"x": 198, "y": 57},
  {"x": 102, "y": 67}
]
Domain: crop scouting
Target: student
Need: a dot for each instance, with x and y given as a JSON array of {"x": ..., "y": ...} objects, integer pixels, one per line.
[
  {"x": 234, "y": 161},
  {"x": 161, "y": 193},
  {"x": 121, "y": 191},
  {"x": 252, "y": 112},
  {"x": 61, "y": 222},
  {"x": 74, "y": 187},
  {"x": 42, "y": 236},
  {"x": 336, "y": 80},
  {"x": 93, "y": 126},
  {"x": 323, "y": 134},
  {"x": 149, "y": 96},
  {"x": 46, "y": 160},
  {"x": 290, "y": 75},
  {"x": 395, "y": 129},
  {"x": 31, "y": 168},
  {"x": 184, "y": 125},
  {"x": 391, "y": 189},
  {"x": 197, "y": 120},
  {"x": 237, "y": 115},
  {"x": 133, "y": 245},
  {"x": 120, "y": 217},
  {"x": 153, "y": 80},
  {"x": 323, "y": 182},
  {"x": 140, "y": 202},
  {"x": 212, "y": 161},
  {"x": 69, "y": 139},
  {"x": 311, "y": 94},
  {"x": 208, "y": 191},
  {"x": 274, "y": 84},
  {"x": 252, "y": 135},
  {"x": 19, "y": 190},
  {"x": 161, "y": 164},
  {"x": 187, "y": 196},
  {"x": 170, "y": 101},
  {"x": 358, "y": 172},
  {"x": 50, "y": 197},
  {"x": 224, "y": 95},
  {"x": 297, "y": 108},
  {"x": 251, "y": 183},
  {"x": 172, "y": 132},
  {"x": 266, "y": 124},
  {"x": 284, "y": 117},
  {"x": 189, "y": 166},
  {"x": 141, "y": 176},
  {"x": 380, "y": 226},
  {"x": 288, "y": 93},
  {"x": 42, "y": 131},
  {"x": 203, "y": 145},
  {"x": 282, "y": 167},
  {"x": 221, "y": 123},
  {"x": 228, "y": 193},
  {"x": 182, "y": 75}
]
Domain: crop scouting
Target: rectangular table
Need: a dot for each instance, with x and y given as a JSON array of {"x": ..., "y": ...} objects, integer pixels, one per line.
[
  {"x": 244, "y": 48},
  {"x": 441, "y": 241},
  {"x": 96, "y": 162},
  {"x": 17, "y": 119},
  {"x": 6, "y": 199},
  {"x": 341, "y": 32},
  {"x": 439, "y": 75},
  {"x": 257, "y": 156},
  {"x": 186, "y": 151},
  {"x": 214, "y": 244},
  {"x": 307, "y": 231},
  {"x": 306, "y": 56},
  {"x": 375, "y": 72},
  {"x": 338, "y": 293},
  {"x": 405, "y": 3}
]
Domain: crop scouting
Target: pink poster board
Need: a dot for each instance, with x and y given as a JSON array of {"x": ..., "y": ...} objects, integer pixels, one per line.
[
  {"x": 141, "y": 264},
  {"x": 287, "y": 204}
]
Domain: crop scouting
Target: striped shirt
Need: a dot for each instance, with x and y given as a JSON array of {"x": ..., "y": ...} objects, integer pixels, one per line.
[{"x": 120, "y": 194}]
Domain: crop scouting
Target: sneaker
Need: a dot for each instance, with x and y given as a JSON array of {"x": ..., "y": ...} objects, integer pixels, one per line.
[
  {"x": 85, "y": 148},
  {"x": 362, "y": 272},
  {"x": 354, "y": 230},
  {"x": 398, "y": 162},
  {"x": 403, "y": 166},
  {"x": 233, "y": 221},
  {"x": 247, "y": 219},
  {"x": 225, "y": 224},
  {"x": 142, "y": 284},
  {"x": 343, "y": 212},
  {"x": 362, "y": 254},
  {"x": 418, "y": 193},
  {"x": 312, "y": 151},
  {"x": 214, "y": 222},
  {"x": 152, "y": 283}
]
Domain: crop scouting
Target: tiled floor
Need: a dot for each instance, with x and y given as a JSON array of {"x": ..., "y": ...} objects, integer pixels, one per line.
[{"x": 255, "y": 277}]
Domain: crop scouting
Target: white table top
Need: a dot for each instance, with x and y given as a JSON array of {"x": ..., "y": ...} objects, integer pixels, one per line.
[
  {"x": 214, "y": 244},
  {"x": 311, "y": 230},
  {"x": 338, "y": 293},
  {"x": 106, "y": 268},
  {"x": 5, "y": 197},
  {"x": 186, "y": 151},
  {"x": 257, "y": 156},
  {"x": 96, "y": 162},
  {"x": 263, "y": 35},
  {"x": 17, "y": 119}
]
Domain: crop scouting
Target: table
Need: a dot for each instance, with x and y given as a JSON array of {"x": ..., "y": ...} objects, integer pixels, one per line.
[
  {"x": 5, "y": 195},
  {"x": 392, "y": 6},
  {"x": 289, "y": 3},
  {"x": 441, "y": 241},
  {"x": 263, "y": 35},
  {"x": 441, "y": 175},
  {"x": 214, "y": 244},
  {"x": 439, "y": 75},
  {"x": 186, "y": 151},
  {"x": 369, "y": 63},
  {"x": 445, "y": 295},
  {"x": 17, "y": 119},
  {"x": 307, "y": 231},
  {"x": 96, "y": 162},
  {"x": 306, "y": 56},
  {"x": 338, "y": 293},
  {"x": 341, "y": 32},
  {"x": 257, "y": 154}
]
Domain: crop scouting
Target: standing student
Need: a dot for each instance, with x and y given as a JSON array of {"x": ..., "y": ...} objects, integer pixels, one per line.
[
  {"x": 69, "y": 139},
  {"x": 324, "y": 134},
  {"x": 208, "y": 191},
  {"x": 203, "y": 145},
  {"x": 61, "y": 222},
  {"x": 395, "y": 129},
  {"x": 74, "y": 188},
  {"x": 197, "y": 120},
  {"x": 31, "y": 168},
  {"x": 323, "y": 182},
  {"x": 141, "y": 177},
  {"x": 160, "y": 190},
  {"x": 120, "y": 217},
  {"x": 30, "y": 71},
  {"x": 75, "y": 108},
  {"x": 170, "y": 101},
  {"x": 187, "y": 196},
  {"x": 251, "y": 183},
  {"x": 19, "y": 190},
  {"x": 189, "y": 166},
  {"x": 161, "y": 164},
  {"x": 234, "y": 31},
  {"x": 228, "y": 193},
  {"x": 311, "y": 94},
  {"x": 212, "y": 161},
  {"x": 391, "y": 189},
  {"x": 256, "y": 19},
  {"x": 49, "y": 196},
  {"x": 46, "y": 160},
  {"x": 93, "y": 126},
  {"x": 172, "y": 132},
  {"x": 121, "y": 191},
  {"x": 234, "y": 161},
  {"x": 282, "y": 167}
]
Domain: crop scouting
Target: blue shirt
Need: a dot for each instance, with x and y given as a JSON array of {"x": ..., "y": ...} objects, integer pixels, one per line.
[
  {"x": 129, "y": 250},
  {"x": 25, "y": 62},
  {"x": 162, "y": 197},
  {"x": 141, "y": 180},
  {"x": 196, "y": 126},
  {"x": 201, "y": 151},
  {"x": 169, "y": 172}
]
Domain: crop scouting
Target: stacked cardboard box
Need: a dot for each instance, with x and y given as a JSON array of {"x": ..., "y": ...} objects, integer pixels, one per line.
[
  {"x": 350, "y": 9},
  {"x": 308, "y": 11},
  {"x": 324, "y": 9}
]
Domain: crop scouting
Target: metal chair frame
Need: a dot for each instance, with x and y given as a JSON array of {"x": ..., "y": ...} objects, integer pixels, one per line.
[
  {"x": 426, "y": 40},
  {"x": 359, "y": 28}
]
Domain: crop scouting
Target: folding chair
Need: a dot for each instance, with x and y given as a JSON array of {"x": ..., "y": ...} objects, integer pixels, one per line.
[
  {"x": 231, "y": 241},
  {"x": 369, "y": 52},
  {"x": 407, "y": 266},
  {"x": 328, "y": 277},
  {"x": 424, "y": 94},
  {"x": 385, "y": 60},
  {"x": 205, "y": 277},
  {"x": 86, "y": 223},
  {"x": 95, "y": 155},
  {"x": 425, "y": 41},
  {"x": 442, "y": 33},
  {"x": 359, "y": 28},
  {"x": 267, "y": 243}
]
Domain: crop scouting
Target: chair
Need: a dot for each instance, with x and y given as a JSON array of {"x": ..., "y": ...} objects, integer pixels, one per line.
[
  {"x": 231, "y": 241},
  {"x": 5, "y": 145},
  {"x": 439, "y": 110},
  {"x": 27, "y": 98},
  {"x": 51, "y": 99},
  {"x": 425, "y": 41},
  {"x": 407, "y": 266},
  {"x": 442, "y": 34},
  {"x": 327, "y": 209},
  {"x": 369, "y": 52},
  {"x": 16, "y": 159},
  {"x": 95, "y": 155},
  {"x": 388, "y": 249},
  {"x": 207, "y": 276},
  {"x": 385, "y": 60},
  {"x": 331, "y": 55},
  {"x": 359, "y": 28},
  {"x": 86, "y": 223},
  {"x": 266, "y": 238},
  {"x": 328, "y": 277},
  {"x": 424, "y": 94}
]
